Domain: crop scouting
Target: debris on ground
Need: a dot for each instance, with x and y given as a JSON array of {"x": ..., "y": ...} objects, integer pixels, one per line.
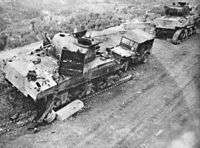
[{"x": 69, "y": 110}]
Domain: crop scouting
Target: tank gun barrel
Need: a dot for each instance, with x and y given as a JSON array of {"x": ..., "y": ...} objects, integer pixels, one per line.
[{"x": 179, "y": 9}]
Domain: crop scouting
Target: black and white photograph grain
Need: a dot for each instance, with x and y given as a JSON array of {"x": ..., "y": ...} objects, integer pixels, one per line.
[{"x": 99, "y": 73}]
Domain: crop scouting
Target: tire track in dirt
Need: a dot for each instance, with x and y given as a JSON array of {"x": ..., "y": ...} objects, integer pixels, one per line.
[
  {"x": 142, "y": 106},
  {"x": 185, "y": 71},
  {"x": 155, "y": 122},
  {"x": 147, "y": 106}
]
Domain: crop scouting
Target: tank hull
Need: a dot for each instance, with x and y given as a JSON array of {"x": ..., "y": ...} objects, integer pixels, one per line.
[{"x": 52, "y": 87}]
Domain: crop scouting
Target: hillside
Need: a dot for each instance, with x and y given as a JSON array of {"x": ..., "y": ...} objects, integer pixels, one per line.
[{"x": 25, "y": 21}]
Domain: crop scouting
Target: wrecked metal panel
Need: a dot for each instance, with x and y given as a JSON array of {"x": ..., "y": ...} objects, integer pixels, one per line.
[
  {"x": 122, "y": 52},
  {"x": 96, "y": 63},
  {"x": 72, "y": 63},
  {"x": 138, "y": 35},
  {"x": 63, "y": 40}
]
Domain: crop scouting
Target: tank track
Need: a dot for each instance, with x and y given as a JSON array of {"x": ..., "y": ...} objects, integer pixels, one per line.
[
  {"x": 176, "y": 36},
  {"x": 183, "y": 34},
  {"x": 123, "y": 80},
  {"x": 30, "y": 118},
  {"x": 127, "y": 76}
]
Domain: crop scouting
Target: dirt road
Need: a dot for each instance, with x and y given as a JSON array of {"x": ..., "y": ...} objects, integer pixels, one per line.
[{"x": 159, "y": 105}]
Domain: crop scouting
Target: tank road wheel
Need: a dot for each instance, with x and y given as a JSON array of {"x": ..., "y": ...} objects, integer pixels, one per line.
[
  {"x": 125, "y": 66},
  {"x": 176, "y": 37},
  {"x": 61, "y": 100},
  {"x": 145, "y": 57},
  {"x": 183, "y": 35},
  {"x": 112, "y": 79},
  {"x": 190, "y": 31},
  {"x": 89, "y": 89}
]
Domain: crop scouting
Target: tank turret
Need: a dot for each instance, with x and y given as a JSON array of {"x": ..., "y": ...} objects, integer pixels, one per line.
[
  {"x": 180, "y": 9},
  {"x": 73, "y": 52},
  {"x": 177, "y": 24}
]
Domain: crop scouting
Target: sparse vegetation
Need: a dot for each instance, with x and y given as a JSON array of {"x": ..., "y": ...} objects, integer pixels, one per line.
[
  {"x": 24, "y": 24},
  {"x": 31, "y": 30}
]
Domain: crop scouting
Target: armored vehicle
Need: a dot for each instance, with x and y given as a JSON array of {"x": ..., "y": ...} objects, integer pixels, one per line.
[
  {"x": 134, "y": 47},
  {"x": 177, "y": 24},
  {"x": 71, "y": 66}
]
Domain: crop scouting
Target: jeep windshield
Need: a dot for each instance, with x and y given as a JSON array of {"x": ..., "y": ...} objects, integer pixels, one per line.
[{"x": 129, "y": 44}]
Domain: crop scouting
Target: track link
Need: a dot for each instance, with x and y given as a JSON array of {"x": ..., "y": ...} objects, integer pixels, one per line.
[
  {"x": 29, "y": 117},
  {"x": 123, "y": 80}
]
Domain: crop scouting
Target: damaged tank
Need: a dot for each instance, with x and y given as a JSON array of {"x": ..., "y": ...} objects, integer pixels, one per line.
[
  {"x": 70, "y": 67},
  {"x": 177, "y": 24},
  {"x": 134, "y": 47}
]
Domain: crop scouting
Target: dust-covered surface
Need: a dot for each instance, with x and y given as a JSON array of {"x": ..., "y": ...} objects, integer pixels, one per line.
[{"x": 158, "y": 108}]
